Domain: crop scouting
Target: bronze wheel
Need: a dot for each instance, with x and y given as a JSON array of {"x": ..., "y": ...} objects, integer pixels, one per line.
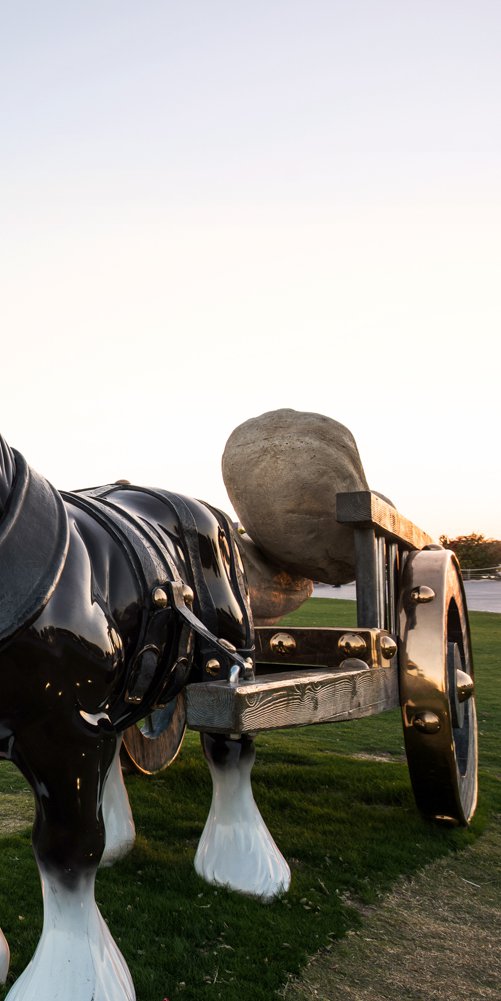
[
  {"x": 436, "y": 687},
  {"x": 152, "y": 744}
]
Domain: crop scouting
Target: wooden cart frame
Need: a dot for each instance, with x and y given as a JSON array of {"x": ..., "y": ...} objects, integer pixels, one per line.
[{"x": 411, "y": 648}]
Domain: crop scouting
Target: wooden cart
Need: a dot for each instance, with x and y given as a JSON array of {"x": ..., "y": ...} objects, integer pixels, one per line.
[{"x": 411, "y": 648}]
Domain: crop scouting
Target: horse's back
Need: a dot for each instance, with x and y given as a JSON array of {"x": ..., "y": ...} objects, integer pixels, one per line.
[{"x": 198, "y": 539}]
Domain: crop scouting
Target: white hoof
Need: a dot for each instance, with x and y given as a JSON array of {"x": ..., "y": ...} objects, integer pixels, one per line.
[
  {"x": 242, "y": 856},
  {"x": 236, "y": 848},
  {"x": 4, "y": 957},
  {"x": 117, "y": 815},
  {"x": 76, "y": 957}
]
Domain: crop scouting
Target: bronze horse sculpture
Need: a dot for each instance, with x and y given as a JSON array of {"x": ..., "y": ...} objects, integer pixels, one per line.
[{"x": 110, "y": 599}]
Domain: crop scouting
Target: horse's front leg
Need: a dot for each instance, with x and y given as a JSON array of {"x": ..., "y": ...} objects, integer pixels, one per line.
[
  {"x": 76, "y": 956},
  {"x": 4, "y": 957},
  {"x": 236, "y": 848}
]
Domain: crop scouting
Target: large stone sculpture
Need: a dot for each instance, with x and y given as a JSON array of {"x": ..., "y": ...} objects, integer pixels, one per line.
[
  {"x": 273, "y": 591},
  {"x": 282, "y": 471}
]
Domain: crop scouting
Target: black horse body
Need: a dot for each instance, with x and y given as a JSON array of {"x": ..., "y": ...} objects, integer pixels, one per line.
[{"x": 109, "y": 641}]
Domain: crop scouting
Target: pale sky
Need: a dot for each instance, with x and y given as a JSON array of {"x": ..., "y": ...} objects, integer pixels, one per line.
[{"x": 213, "y": 209}]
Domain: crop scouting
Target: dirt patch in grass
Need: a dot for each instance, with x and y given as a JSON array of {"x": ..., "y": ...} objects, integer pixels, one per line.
[
  {"x": 435, "y": 936},
  {"x": 16, "y": 812},
  {"x": 384, "y": 757}
]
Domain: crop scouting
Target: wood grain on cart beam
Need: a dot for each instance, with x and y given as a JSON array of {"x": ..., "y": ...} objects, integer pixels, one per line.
[
  {"x": 294, "y": 698},
  {"x": 363, "y": 509}
]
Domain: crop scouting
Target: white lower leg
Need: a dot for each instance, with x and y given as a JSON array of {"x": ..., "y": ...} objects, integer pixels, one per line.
[
  {"x": 76, "y": 956},
  {"x": 4, "y": 957},
  {"x": 117, "y": 814},
  {"x": 236, "y": 849}
]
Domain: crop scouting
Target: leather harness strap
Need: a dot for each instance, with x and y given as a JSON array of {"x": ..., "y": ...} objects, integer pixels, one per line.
[
  {"x": 157, "y": 672},
  {"x": 205, "y": 601}
]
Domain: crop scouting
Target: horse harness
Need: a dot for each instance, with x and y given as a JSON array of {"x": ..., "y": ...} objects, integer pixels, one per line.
[{"x": 160, "y": 665}]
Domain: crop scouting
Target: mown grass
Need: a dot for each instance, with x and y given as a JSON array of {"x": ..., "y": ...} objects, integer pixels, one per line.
[{"x": 348, "y": 827}]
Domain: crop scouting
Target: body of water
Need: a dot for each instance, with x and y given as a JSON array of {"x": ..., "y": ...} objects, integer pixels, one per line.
[{"x": 481, "y": 595}]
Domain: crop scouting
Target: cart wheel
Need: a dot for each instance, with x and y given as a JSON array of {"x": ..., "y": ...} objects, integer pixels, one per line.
[
  {"x": 152, "y": 744},
  {"x": 436, "y": 687}
]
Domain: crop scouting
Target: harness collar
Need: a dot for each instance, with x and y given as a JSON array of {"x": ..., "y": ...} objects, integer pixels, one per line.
[{"x": 34, "y": 538}]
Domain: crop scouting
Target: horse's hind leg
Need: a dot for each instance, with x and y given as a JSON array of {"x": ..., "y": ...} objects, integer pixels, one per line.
[
  {"x": 117, "y": 814},
  {"x": 76, "y": 956}
]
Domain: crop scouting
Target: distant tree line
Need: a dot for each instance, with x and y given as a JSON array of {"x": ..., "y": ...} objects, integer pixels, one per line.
[{"x": 474, "y": 551}]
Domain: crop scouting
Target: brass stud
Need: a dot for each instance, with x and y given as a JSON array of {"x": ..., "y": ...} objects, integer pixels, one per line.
[
  {"x": 160, "y": 597},
  {"x": 422, "y": 595},
  {"x": 122, "y": 483},
  {"x": 464, "y": 686},
  {"x": 426, "y": 722},
  {"x": 352, "y": 644},
  {"x": 188, "y": 596},
  {"x": 388, "y": 647},
  {"x": 283, "y": 644},
  {"x": 213, "y": 667},
  {"x": 444, "y": 818}
]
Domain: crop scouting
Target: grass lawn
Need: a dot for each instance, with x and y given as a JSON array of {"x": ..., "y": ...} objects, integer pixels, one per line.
[{"x": 345, "y": 821}]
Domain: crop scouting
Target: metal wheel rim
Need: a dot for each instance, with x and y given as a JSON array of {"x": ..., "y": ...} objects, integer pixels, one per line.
[
  {"x": 155, "y": 743},
  {"x": 434, "y": 643}
]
